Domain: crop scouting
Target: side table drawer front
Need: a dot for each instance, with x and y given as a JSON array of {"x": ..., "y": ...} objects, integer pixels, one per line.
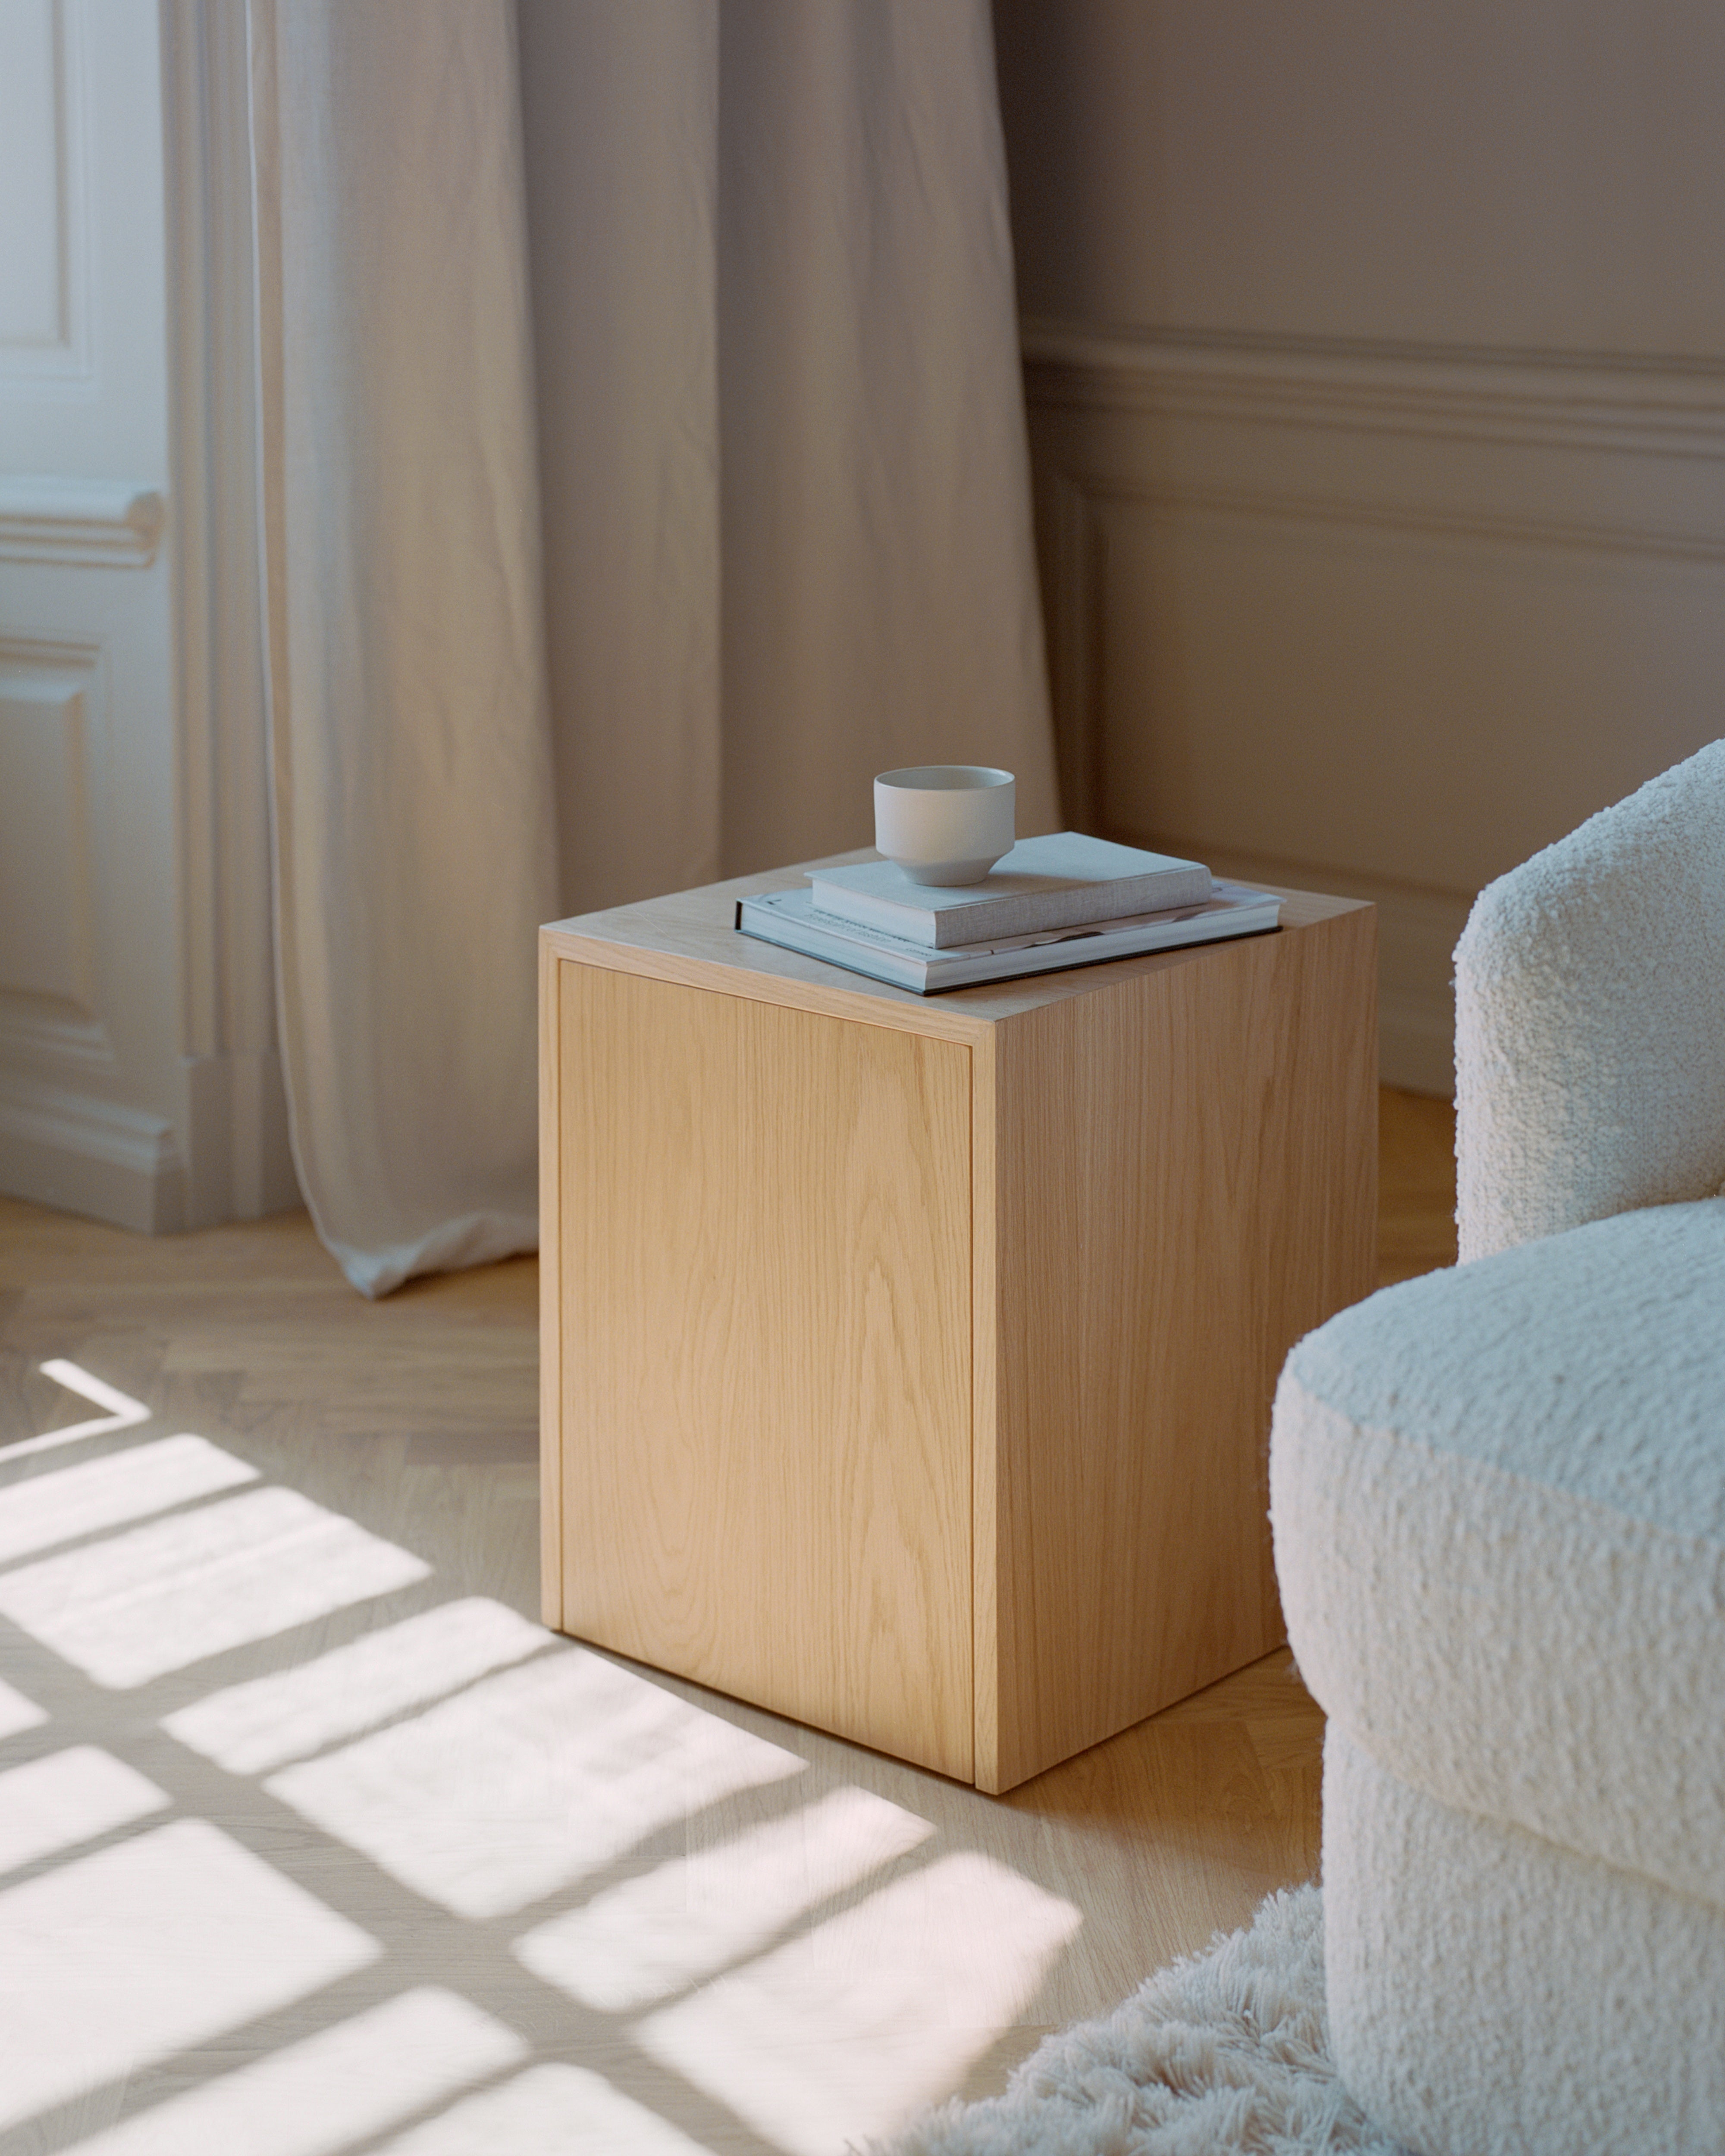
[{"x": 764, "y": 1234}]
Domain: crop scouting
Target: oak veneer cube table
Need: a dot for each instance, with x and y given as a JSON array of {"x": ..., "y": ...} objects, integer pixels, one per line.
[{"x": 907, "y": 1361}]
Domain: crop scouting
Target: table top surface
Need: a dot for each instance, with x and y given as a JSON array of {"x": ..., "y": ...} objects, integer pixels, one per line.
[{"x": 690, "y": 935}]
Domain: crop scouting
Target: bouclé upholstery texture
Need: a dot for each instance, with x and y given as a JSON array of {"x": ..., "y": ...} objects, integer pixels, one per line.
[
  {"x": 1590, "y": 1020},
  {"x": 1498, "y": 1500},
  {"x": 1491, "y": 1993}
]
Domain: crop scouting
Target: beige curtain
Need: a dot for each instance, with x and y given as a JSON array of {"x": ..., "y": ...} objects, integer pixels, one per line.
[
  {"x": 410, "y": 756},
  {"x": 786, "y": 516},
  {"x": 785, "y": 513}
]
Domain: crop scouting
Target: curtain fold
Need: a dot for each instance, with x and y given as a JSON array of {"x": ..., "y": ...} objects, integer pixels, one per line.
[
  {"x": 409, "y": 749},
  {"x": 786, "y": 525},
  {"x": 621, "y": 108},
  {"x": 783, "y": 455}
]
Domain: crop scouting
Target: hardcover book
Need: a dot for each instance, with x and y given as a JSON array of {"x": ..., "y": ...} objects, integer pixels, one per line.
[
  {"x": 788, "y": 918},
  {"x": 1062, "y": 880}
]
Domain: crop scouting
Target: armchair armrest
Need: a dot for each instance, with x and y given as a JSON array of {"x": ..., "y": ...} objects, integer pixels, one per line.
[{"x": 1590, "y": 1020}]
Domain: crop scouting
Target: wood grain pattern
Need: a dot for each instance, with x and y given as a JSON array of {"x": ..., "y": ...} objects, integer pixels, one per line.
[
  {"x": 1185, "y": 1183},
  {"x": 689, "y": 936},
  {"x": 1170, "y": 1178},
  {"x": 764, "y": 1222},
  {"x": 551, "y": 1328},
  {"x": 985, "y": 1537}
]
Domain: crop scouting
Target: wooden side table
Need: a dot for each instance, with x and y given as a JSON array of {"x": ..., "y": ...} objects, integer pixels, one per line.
[{"x": 907, "y": 1361}]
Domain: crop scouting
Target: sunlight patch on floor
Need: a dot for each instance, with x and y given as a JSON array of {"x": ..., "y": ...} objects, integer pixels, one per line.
[
  {"x": 121, "y": 1411},
  {"x": 137, "y": 1951},
  {"x": 659, "y": 1934},
  {"x": 482, "y": 1764},
  {"x": 16, "y": 1712},
  {"x": 105, "y": 1493},
  {"x": 251, "y": 1727},
  {"x": 847, "y": 2029},
  {"x": 548, "y": 2111},
  {"x": 68, "y": 1797},
  {"x": 328, "y": 2091},
  {"x": 162, "y": 1597},
  {"x": 527, "y": 1781}
]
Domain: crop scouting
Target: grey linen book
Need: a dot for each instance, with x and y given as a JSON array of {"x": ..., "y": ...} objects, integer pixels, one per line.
[{"x": 1062, "y": 880}]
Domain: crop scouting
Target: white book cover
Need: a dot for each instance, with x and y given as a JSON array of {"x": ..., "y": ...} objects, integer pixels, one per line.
[
  {"x": 788, "y": 918},
  {"x": 1062, "y": 880}
]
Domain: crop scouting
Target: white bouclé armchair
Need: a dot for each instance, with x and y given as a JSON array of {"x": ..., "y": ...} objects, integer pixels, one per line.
[{"x": 1498, "y": 1499}]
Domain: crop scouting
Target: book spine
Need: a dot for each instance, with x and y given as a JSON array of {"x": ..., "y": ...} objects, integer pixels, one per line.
[{"x": 856, "y": 956}]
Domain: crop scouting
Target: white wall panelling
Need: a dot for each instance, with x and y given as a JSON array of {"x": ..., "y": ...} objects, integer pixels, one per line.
[
  {"x": 1383, "y": 621},
  {"x": 46, "y": 910},
  {"x": 78, "y": 522},
  {"x": 87, "y": 1070},
  {"x": 87, "y": 400},
  {"x": 138, "y": 1075},
  {"x": 44, "y": 300}
]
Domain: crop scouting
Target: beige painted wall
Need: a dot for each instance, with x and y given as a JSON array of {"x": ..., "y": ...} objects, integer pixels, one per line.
[{"x": 1376, "y": 359}]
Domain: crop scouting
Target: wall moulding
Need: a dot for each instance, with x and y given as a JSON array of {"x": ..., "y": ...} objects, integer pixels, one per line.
[
  {"x": 1598, "y": 402},
  {"x": 80, "y": 523},
  {"x": 50, "y": 724},
  {"x": 1452, "y": 448},
  {"x": 1418, "y": 926},
  {"x": 51, "y": 1035},
  {"x": 1430, "y": 521},
  {"x": 1377, "y": 623}
]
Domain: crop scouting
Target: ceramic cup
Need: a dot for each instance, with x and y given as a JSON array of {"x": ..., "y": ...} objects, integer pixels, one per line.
[{"x": 944, "y": 822}]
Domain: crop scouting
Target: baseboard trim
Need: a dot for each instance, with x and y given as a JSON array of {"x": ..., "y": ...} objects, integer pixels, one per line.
[{"x": 84, "y": 1155}]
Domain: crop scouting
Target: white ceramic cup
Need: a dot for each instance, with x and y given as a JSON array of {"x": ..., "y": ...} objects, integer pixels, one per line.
[{"x": 944, "y": 822}]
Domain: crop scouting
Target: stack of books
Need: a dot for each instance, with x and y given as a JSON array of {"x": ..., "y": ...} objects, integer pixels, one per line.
[{"x": 1062, "y": 900}]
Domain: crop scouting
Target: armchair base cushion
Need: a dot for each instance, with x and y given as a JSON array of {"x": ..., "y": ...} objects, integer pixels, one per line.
[
  {"x": 1498, "y": 1494},
  {"x": 1491, "y": 1995}
]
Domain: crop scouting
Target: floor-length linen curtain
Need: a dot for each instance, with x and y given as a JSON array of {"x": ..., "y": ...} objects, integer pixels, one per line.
[
  {"x": 783, "y": 455},
  {"x": 410, "y": 750},
  {"x": 786, "y": 513}
]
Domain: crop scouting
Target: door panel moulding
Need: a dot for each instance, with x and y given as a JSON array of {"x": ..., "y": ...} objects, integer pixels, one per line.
[
  {"x": 80, "y": 523},
  {"x": 139, "y": 1077},
  {"x": 45, "y": 344}
]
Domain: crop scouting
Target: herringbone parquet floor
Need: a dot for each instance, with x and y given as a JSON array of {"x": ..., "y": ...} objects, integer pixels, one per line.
[{"x": 465, "y": 1875}]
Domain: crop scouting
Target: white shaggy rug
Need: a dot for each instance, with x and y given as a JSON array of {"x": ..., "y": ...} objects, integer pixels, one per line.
[{"x": 1225, "y": 2051}]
